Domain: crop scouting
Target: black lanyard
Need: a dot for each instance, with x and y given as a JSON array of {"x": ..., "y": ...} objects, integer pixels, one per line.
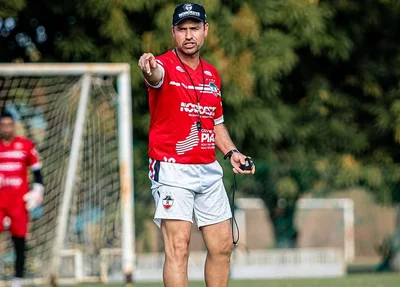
[{"x": 198, "y": 124}]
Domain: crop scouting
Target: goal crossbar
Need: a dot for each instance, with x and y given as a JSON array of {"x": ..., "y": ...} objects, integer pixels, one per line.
[{"x": 60, "y": 69}]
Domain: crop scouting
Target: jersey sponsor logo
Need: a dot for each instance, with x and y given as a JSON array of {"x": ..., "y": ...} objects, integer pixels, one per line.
[
  {"x": 18, "y": 145},
  {"x": 12, "y": 154},
  {"x": 10, "y": 166},
  {"x": 214, "y": 89},
  {"x": 190, "y": 142},
  {"x": 13, "y": 181},
  {"x": 10, "y": 181},
  {"x": 207, "y": 137},
  {"x": 193, "y": 108},
  {"x": 168, "y": 201},
  {"x": 208, "y": 73}
]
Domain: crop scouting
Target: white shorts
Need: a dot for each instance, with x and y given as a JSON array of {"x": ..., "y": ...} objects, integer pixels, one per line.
[{"x": 184, "y": 191}]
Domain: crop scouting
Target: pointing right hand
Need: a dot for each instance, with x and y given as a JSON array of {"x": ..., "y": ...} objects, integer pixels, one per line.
[{"x": 147, "y": 63}]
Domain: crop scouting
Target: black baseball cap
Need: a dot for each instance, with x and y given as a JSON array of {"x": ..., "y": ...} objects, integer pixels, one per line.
[
  {"x": 6, "y": 114},
  {"x": 189, "y": 11}
]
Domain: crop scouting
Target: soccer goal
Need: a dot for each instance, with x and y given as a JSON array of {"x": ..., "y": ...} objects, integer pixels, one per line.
[
  {"x": 80, "y": 118},
  {"x": 327, "y": 222}
]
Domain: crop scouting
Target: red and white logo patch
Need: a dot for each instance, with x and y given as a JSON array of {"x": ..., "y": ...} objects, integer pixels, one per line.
[
  {"x": 168, "y": 201},
  {"x": 18, "y": 145}
]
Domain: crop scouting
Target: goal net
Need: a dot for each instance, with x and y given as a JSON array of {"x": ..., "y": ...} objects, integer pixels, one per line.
[
  {"x": 79, "y": 124},
  {"x": 326, "y": 223}
]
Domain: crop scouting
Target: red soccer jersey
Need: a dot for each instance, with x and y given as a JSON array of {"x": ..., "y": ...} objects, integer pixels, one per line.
[
  {"x": 15, "y": 158},
  {"x": 174, "y": 112}
]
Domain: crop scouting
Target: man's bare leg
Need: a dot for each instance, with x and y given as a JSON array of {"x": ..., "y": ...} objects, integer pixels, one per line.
[
  {"x": 218, "y": 240},
  {"x": 176, "y": 236}
]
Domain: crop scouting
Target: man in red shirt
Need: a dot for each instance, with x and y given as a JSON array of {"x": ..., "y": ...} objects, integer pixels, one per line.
[
  {"x": 186, "y": 125},
  {"x": 16, "y": 155}
]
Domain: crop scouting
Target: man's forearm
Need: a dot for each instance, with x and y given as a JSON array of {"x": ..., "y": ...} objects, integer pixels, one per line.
[
  {"x": 155, "y": 77},
  {"x": 222, "y": 139}
]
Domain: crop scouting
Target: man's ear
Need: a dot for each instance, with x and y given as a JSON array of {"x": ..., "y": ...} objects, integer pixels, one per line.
[
  {"x": 172, "y": 31},
  {"x": 205, "y": 30}
]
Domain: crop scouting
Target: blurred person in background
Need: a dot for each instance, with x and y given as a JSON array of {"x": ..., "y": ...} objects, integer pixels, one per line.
[
  {"x": 186, "y": 125},
  {"x": 17, "y": 154}
]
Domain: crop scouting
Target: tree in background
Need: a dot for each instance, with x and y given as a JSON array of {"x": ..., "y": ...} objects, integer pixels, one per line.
[{"x": 310, "y": 87}]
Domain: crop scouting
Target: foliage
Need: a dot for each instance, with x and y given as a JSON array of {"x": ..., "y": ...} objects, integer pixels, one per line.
[{"x": 310, "y": 88}]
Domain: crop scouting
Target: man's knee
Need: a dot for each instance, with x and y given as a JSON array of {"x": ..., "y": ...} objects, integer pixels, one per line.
[
  {"x": 223, "y": 249},
  {"x": 176, "y": 235},
  {"x": 177, "y": 250}
]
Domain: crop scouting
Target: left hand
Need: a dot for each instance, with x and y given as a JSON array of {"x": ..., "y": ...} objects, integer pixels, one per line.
[
  {"x": 34, "y": 197},
  {"x": 237, "y": 159}
]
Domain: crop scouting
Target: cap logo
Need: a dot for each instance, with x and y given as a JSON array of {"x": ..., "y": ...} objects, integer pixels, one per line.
[{"x": 188, "y": 11}]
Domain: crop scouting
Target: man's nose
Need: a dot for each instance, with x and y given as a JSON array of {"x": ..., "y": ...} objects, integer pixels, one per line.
[{"x": 188, "y": 35}]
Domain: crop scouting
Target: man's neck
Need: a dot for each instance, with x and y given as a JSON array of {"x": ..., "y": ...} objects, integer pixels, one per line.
[
  {"x": 7, "y": 141},
  {"x": 191, "y": 60}
]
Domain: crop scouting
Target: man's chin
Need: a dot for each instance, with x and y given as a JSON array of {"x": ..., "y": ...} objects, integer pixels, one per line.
[
  {"x": 190, "y": 51},
  {"x": 6, "y": 138}
]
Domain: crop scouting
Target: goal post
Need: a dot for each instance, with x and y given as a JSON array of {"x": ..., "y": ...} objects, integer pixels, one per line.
[
  {"x": 346, "y": 206},
  {"x": 65, "y": 204},
  {"x": 76, "y": 114},
  {"x": 126, "y": 170}
]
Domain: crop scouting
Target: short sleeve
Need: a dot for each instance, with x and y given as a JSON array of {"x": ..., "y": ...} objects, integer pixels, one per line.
[{"x": 33, "y": 156}]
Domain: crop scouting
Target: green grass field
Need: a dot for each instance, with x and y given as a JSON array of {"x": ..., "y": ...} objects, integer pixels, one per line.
[{"x": 387, "y": 280}]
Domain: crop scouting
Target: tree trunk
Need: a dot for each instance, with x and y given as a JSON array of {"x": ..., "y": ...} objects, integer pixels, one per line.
[{"x": 395, "y": 262}]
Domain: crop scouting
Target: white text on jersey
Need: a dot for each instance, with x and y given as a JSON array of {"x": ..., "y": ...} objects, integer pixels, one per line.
[
  {"x": 12, "y": 154},
  {"x": 194, "y": 108}
]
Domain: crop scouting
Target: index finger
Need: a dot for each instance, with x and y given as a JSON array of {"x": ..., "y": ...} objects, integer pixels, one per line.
[{"x": 149, "y": 56}]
